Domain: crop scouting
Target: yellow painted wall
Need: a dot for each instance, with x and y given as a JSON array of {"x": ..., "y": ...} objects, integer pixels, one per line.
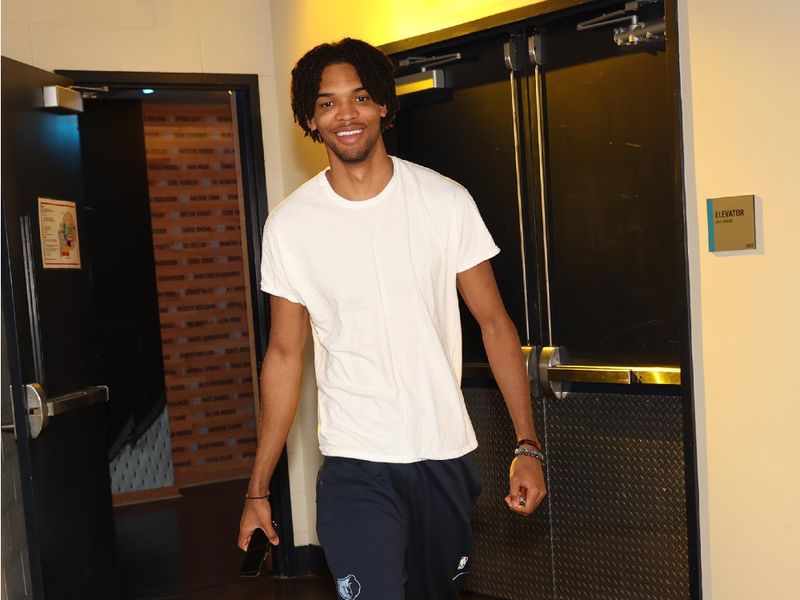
[
  {"x": 741, "y": 93},
  {"x": 300, "y": 25}
]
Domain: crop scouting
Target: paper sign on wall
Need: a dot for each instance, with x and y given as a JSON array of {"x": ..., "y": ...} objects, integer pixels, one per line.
[
  {"x": 731, "y": 223},
  {"x": 58, "y": 228}
]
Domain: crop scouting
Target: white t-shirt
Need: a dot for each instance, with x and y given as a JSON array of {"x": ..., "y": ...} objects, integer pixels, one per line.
[{"x": 378, "y": 278}]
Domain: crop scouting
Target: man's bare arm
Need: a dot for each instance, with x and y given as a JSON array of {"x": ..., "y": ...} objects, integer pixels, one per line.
[
  {"x": 281, "y": 375},
  {"x": 479, "y": 290}
]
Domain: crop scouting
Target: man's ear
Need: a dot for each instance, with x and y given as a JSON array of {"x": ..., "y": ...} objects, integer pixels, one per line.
[
  {"x": 384, "y": 110},
  {"x": 312, "y": 124}
]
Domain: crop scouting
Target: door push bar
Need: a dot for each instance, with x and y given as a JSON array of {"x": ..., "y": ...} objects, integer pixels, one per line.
[
  {"x": 553, "y": 377},
  {"x": 41, "y": 408},
  {"x": 548, "y": 375}
]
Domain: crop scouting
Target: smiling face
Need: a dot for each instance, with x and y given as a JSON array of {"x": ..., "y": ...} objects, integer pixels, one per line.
[{"x": 346, "y": 117}]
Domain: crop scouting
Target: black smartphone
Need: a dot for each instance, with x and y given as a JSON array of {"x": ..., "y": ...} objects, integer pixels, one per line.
[{"x": 257, "y": 552}]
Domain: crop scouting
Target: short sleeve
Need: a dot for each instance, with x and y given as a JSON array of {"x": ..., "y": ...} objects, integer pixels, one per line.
[
  {"x": 475, "y": 243},
  {"x": 274, "y": 279}
]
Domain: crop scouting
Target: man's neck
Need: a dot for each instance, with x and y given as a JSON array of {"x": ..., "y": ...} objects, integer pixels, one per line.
[{"x": 361, "y": 181}]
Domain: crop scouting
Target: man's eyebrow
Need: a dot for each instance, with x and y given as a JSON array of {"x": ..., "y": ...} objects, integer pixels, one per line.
[{"x": 330, "y": 94}]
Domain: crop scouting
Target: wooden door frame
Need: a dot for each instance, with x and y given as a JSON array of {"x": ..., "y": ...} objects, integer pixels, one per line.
[{"x": 255, "y": 206}]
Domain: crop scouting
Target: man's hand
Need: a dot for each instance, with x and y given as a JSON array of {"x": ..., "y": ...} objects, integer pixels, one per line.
[
  {"x": 526, "y": 485},
  {"x": 256, "y": 514},
  {"x": 281, "y": 375}
]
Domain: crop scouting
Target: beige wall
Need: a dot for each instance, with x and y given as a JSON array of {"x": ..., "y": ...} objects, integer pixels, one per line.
[{"x": 741, "y": 93}]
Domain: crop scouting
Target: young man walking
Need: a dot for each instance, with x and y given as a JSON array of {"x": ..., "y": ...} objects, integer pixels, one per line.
[{"x": 374, "y": 250}]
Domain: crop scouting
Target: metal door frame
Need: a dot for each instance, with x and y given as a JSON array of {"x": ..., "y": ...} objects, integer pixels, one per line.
[
  {"x": 21, "y": 429},
  {"x": 545, "y": 11},
  {"x": 255, "y": 206}
]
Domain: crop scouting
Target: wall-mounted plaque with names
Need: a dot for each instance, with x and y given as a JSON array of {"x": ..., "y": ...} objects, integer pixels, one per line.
[{"x": 731, "y": 223}]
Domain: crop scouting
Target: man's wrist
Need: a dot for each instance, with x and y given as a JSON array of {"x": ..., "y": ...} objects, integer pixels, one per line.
[
  {"x": 257, "y": 488},
  {"x": 261, "y": 497},
  {"x": 532, "y": 442}
]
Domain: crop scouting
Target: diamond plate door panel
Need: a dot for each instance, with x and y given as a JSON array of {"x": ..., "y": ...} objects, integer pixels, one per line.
[
  {"x": 617, "y": 493},
  {"x": 512, "y": 553}
]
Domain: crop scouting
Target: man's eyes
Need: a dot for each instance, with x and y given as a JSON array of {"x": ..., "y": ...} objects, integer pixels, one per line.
[{"x": 359, "y": 99}]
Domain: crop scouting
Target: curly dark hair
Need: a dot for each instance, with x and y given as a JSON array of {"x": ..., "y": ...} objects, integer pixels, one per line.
[{"x": 374, "y": 68}]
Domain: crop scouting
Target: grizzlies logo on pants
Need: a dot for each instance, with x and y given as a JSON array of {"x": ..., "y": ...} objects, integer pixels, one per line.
[{"x": 348, "y": 587}]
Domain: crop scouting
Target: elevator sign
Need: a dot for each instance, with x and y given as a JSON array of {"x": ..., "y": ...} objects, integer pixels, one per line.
[{"x": 731, "y": 223}]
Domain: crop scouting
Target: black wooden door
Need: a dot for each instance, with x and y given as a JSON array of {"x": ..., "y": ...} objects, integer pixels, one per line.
[{"x": 70, "y": 520}]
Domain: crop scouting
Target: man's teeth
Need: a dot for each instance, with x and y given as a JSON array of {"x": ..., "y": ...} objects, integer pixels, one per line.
[{"x": 344, "y": 133}]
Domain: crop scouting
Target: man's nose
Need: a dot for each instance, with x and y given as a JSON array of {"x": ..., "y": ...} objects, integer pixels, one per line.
[{"x": 347, "y": 111}]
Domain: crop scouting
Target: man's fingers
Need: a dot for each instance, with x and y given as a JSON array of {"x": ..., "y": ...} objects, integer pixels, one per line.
[
  {"x": 244, "y": 539},
  {"x": 525, "y": 501},
  {"x": 272, "y": 535},
  {"x": 515, "y": 506},
  {"x": 244, "y": 536},
  {"x": 536, "y": 500}
]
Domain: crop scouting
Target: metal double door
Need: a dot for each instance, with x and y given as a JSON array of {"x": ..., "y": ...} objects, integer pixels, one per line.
[{"x": 566, "y": 137}]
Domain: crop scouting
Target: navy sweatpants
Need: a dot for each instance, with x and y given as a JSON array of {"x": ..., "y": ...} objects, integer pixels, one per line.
[{"x": 397, "y": 531}]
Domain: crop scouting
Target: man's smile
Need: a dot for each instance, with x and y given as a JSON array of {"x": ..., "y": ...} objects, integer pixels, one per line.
[{"x": 348, "y": 132}]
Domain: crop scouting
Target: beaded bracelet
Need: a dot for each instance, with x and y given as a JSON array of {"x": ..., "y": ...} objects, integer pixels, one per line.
[{"x": 538, "y": 455}]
